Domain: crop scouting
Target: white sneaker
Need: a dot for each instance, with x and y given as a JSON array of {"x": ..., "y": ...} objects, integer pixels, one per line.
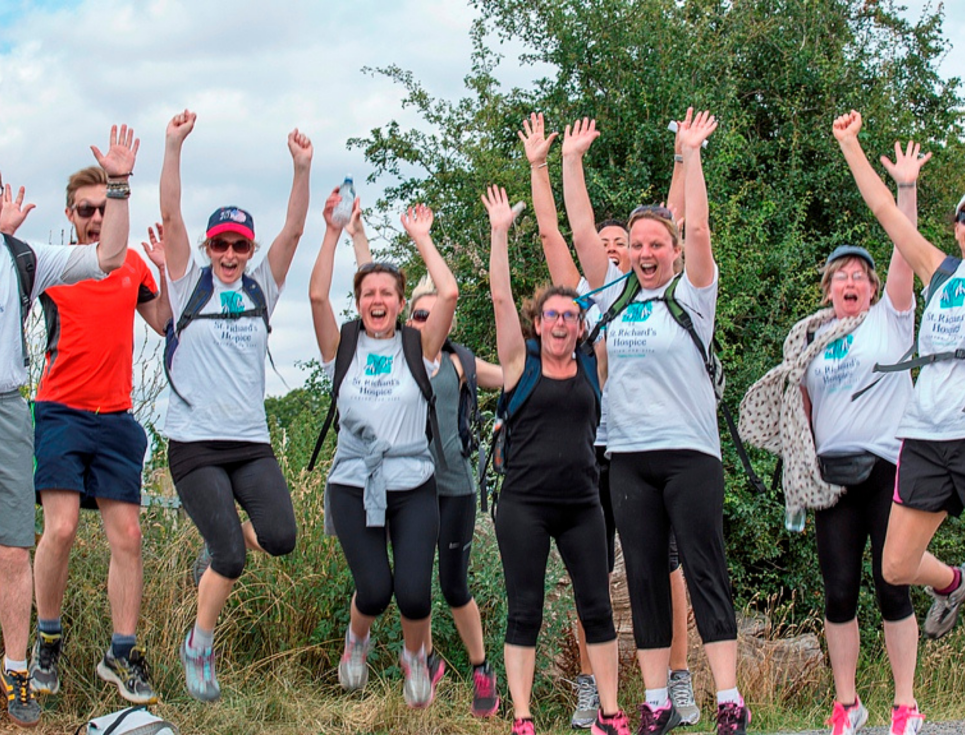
[
  {"x": 353, "y": 671},
  {"x": 681, "y": 687}
]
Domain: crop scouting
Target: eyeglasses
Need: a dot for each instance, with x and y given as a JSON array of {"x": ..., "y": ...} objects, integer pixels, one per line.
[
  {"x": 651, "y": 209},
  {"x": 419, "y": 315},
  {"x": 242, "y": 247},
  {"x": 960, "y": 217},
  {"x": 87, "y": 210},
  {"x": 569, "y": 317},
  {"x": 378, "y": 266},
  {"x": 857, "y": 276}
]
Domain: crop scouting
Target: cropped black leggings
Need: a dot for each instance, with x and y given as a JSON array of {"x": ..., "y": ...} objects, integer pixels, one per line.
[
  {"x": 457, "y": 521},
  {"x": 524, "y": 530},
  {"x": 683, "y": 490},
  {"x": 842, "y": 533},
  {"x": 208, "y": 495},
  {"x": 412, "y": 525}
]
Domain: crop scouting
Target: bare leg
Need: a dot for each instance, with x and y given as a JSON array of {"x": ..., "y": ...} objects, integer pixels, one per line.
[
  {"x": 17, "y": 585},
  {"x": 360, "y": 624},
  {"x": 654, "y": 663},
  {"x": 125, "y": 578},
  {"x": 251, "y": 539},
  {"x": 469, "y": 625},
  {"x": 520, "y": 670},
  {"x": 604, "y": 658},
  {"x": 213, "y": 592},
  {"x": 678, "y": 647},
  {"x": 722, "y": 657},
  {"x": 901, "y": 640},
  {"x": 585, "y": 666},
  {"x": 415, "y": 634},
  {"x": 844, "y": 640},
  {"x": 904, "y": 559},
  {"x": 61, "y": 515}
]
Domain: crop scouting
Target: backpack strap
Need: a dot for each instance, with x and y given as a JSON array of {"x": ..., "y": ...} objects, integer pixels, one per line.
[
  {"x": 630, "y": 289},
  {"x": 348, "y": 341},
  {"x": 412, "y": 351},
  {"x": 25, "y": 264},
  {"x": 469, "y": 424}
]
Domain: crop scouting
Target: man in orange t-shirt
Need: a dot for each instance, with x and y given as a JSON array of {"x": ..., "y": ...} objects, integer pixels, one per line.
[{"x": 89, "y": 448}]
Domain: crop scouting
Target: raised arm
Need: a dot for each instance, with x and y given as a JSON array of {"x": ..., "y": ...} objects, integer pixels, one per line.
[
  {"x": 699, "y": 260},
  {"x": 157, "y": 311},
  {"x": 118, "y": 163},
  {"x": 356, "y": 230},
  {"x": 282, "y": 250},
  {"x": 577, "y": 140},
  {"x": 510, "y": 344},
  {"x": 417, "y": 222},
  {"x": 921, "y": 255},
  {"x": 488, "y": 376},
  {"x": 905, "y": 171},
  {"x": 537, "y": 145},
  {"x": 177, "y": 249},
  {"x": 675, "y": 197},
  {"x": 12, "y": 209},
  {"x": 320, "y": 284}
]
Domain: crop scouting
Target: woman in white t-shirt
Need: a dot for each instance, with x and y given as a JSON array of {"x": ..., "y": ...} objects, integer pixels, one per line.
[
  {"x": 931, "y": 469},
  {"x": 666, "y": 471},
  {"x": 219, "y": 451},
  {"x": 382, "y": 474}
]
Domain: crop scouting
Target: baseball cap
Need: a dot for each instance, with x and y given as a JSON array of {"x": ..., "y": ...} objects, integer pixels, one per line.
[
  {"x": 231, "y": 219},
  {"x": 850, "y": 251}
]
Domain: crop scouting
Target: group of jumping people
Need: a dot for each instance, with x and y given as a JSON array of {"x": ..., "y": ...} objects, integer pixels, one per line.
[{"x": 615, "y": 345}]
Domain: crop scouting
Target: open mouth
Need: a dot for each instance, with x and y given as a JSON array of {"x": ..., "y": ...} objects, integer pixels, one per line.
[{"x": 648, "y": 269}]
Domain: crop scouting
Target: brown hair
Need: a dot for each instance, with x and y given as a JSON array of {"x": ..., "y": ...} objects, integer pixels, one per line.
[
  {"x": 90, "y": 176},
  {"x": 828, "y": 271},
  {"x": 669, "y": 224},
  {"x": 376, "y": 267},
  {"x": 533, "y": 307}
]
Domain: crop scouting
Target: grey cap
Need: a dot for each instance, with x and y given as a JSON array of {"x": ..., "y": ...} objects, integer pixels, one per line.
[{"x": 850, "y": 251}]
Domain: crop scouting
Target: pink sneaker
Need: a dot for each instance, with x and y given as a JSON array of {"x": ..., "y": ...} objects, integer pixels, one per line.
[
  {"x": 847, "y": 720},
  {"x": 523, "y": 727},
  {"x": 906, "y": 720}
]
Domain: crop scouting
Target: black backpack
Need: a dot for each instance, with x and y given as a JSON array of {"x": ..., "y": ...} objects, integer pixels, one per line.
[
  {"x": 411, "y": 350},
  {"x": 469, "y": 421},
  {"x": 25, "y": 263}
]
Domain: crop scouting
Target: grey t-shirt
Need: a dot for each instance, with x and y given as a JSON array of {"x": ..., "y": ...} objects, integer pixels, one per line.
[{"x": 457, "y": 479}]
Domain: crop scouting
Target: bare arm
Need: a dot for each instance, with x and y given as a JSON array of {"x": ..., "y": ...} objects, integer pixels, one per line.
[
  {"x": 118, "y": 163},
  {"x": 488, "y": 375},
  {"x": 320, "y": 285},
  {"x": 537, "y": 145},
  {"x": 921, "y": 255},
  {"x": 699, "y": 262},
  {"x": 589, "y": 249},
  {"x": 282, "y": 250},
  {"x": 675, "y": 197},
  {"x": 510, "y": 345},
  {"x": 157, "y": 311},
  {"x": 417, "y": 222},
  {"x": 905, "y": 171},
  {"x": 177, "y": 246}
]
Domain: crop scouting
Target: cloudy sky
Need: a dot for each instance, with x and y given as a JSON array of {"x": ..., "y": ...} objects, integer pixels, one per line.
[{"x": 252, "y": 71}]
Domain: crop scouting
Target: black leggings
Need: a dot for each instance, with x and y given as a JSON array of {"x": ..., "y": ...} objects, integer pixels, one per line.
[
  {"x": 683, "y": 490},
  {"x": 208, "y": 495},
  {"x": 524, "y": 530},
  {"x": 412, "y": 525},
  {"x": 457, "y": 521},
  {"x": 842, "y": 532}
]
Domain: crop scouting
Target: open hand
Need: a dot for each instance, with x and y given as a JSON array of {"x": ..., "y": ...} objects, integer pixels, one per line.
[
  {"x": 578, "y": 137},
  {"x": 695, "y": 129},
  {"x": 417, "y": 221},
  {"x": 13, "y": 211},
  {"x": 155, "y": 248},
  {"x": 119, "y": 159},
  {"x": 535, "y": 142},
  {"x": 907, "y": 165},
  {"x": 497, "y": 205}
]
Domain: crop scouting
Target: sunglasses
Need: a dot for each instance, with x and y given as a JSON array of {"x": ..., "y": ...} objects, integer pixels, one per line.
[
  {"x": 419, "y": 315},
  {"x": 960, "y": 217},
  {"x": 242, "y": 247},
  {"x": 569, "y": 317},
  {"x": 652, "y": 209},
  {"x": 87, "y": 210},
  {"x": 378, "y": 266}
]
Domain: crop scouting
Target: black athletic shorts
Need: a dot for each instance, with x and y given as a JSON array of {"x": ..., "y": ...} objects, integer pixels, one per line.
[{"x": 931, "y": 476}]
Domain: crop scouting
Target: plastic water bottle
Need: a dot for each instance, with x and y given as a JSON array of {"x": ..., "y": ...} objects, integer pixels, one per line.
[
  {"x": 343, "y": 210},
  {"x": 794, "y": 519}
]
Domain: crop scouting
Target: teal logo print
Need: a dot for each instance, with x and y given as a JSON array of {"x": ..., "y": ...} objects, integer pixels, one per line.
[
  {"x": 231, "y": 302},
  {"x": 954, "y": 294},
  {"x": 378, "y": 365},
  {"x": 838, "y": 349},
  {"x": 639, "y": 311}
]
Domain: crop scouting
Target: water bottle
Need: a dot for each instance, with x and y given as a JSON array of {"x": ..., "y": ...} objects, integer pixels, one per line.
[
  {"x": 343, "y": 210},
  {"x": 794, "y": 519}
]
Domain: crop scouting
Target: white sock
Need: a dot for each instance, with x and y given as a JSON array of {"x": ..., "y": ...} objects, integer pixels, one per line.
[
  {"x": 10, "y": 665},
  {"x": 200, "y": 639},
  {"x": 354, "y": 639},
  {"x": 729, "y": 695},
  {"x": 411, "y": 657},
  {"x": 657, "y": 698}
]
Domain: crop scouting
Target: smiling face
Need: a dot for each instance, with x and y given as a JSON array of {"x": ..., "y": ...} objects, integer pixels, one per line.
[
  {"x": 558, "y": 326},
  {"x": 851, "y": 287},
  {"x": 229, "y": 253},
  {"x": 86, "y": 213},
  {"x": 379, "y": 304},
  {"x": 652, "y": 252},
  {"x": 614, "y": 240}
]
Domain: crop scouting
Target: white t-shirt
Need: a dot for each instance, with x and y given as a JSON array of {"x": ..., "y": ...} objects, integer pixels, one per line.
[
  {"x": 219, "y": 365},
  {"x": 936, "y": 409},
  {"x": 659, "y": 395},
  {"x": 56, "y": 265},
  {"x": 869, "y": 423},
  {"x": 594, "y": 315},
  {"x": 379, "y": 390}
]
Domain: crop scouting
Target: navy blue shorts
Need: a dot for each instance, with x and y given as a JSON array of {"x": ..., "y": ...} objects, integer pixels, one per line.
[{"x": 99, "y": 455}]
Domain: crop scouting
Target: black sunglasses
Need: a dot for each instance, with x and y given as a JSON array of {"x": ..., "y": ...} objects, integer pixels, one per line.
[
  {"x": 378, "y": 266},
  {"x": 420, "y": 315},
  {"x": 87, "y": 210},
  {"x": 960, "y": 217},
  {"x": 242, "y": 247}
]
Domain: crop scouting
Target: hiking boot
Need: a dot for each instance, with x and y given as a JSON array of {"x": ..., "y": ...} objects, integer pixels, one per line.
[
  {"x": 847, "y": 720},
  {"x": 943, "y": 612},
  {"x": 485, "y": 700},
  {"x": 353, "y": 672},
  {"x": 418, "y": 688},
  {"x": 201, "y": 565},
  {"x": 906, "y": 720},
  {"x": 44, "y": 675},
  {"x": 22, "y": 706},
  {"x": 681, "y": 687},
  {"x": 524, "y": 727},
  {"x": 616, "y": 725},
  {"x": 199, "y": 672},
  {"x": 587, "y": 702},
  {"x": 129, "y": 674},
  {"x": 733, "y": 718},
  {"x": 658, "y": 721}
]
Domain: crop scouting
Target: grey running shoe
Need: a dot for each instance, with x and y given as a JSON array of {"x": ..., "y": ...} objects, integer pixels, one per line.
[
  {"x": 44, "y": 674},
  {"x": 587, "y": 702},
  {"x": 418, "y": 689},
  {"x": 943, "y": 612},
  {"x": 201, "y": 565},
  {"x": 682, "y": 693},
  {"x": 353, "y": 671},
  {"x": 22, "y": 706},
  {"x": 129, "y": 674},
  {"x": 199, "y": 673}
]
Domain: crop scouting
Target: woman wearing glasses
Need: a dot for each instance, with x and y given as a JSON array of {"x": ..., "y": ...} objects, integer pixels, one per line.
[
  {"x": 382, "y": 474},
  {"x": 219, "y": 451},
  {"x": 666, "y": 471},
  {"x": 550, "y": 490}
]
